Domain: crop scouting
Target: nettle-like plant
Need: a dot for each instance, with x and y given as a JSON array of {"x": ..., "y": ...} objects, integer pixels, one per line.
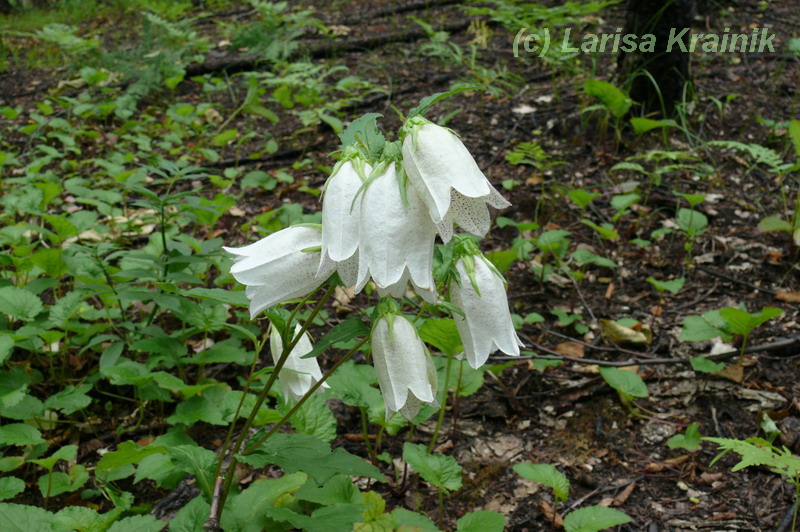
[{"x": 382, "y": 207}]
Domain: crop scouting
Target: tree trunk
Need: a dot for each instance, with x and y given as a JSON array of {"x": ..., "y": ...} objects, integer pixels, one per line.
[{"x": 669, "y": 70}]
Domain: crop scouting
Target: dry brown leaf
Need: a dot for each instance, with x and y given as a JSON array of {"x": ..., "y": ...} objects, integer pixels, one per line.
[
  {"x": 550, "y": 514},
  {"x": 626, "y": 335},
  {"x": 620, "y": 499},
  {"x": 610, "y": 291},
  {"x": 788, "y": 296},
  {"x": 678, "y": 460},
  {"x": 733, "y": 372},
  {"x": 572, "y": 349}
]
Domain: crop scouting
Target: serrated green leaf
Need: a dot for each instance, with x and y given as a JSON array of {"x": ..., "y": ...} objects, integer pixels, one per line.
[
  {"x": 594, "y": 519},
  {"x": 22, "y": 518},
  {"x": 197, "y": 461},
  {"x": 10, "y": 487},
  {"x": 325, "y": 519},
  {"x": 481, "y": 521},
  {"x": 19, "y": 303},
  {"x": 20, "y": 434},
  {"x": 137, "y": 523},
  {"x": 191, "y": 517},
  {"x": 315, "y": 417},
  {"x": 440, "y": 470},
  {"x": 441, "y": 333},
  {"x": 6, "y": 345},
  {"x": 247, "y": 512},
  {"x": 343, "y": 332},
  {"x": 127, "y": 453},
  {"x": 70, "y": 399},
  {"x": 545, "y": 474},
  {"x": 80, "y": 518},
  {"x": 303, "y": 452}
]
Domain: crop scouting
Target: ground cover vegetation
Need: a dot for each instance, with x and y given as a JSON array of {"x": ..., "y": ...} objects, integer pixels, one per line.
[{"x": 286, "y": 266}]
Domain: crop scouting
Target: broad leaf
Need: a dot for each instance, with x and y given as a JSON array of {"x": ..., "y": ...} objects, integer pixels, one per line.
[
  {"x": 545, "y": 474},
  {"x": 626, "y": 382},
  {"x": 594, "y": 519},
  {"x": 440, "y": 470}
]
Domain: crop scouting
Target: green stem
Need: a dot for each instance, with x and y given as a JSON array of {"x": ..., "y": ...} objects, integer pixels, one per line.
[
  {"x": 440, "y": 419},
  {"x": 229, "y": 436},
  {"x": 287, "y": 349},
  {"x": 303, "y": 399},
  {"x": 365, "y": 431}
]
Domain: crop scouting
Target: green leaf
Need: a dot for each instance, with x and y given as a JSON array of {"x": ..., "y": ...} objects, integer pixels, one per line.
[
  {"x": 339, "y": 489},
  {"x": 626, "y": 382},
  {"x": 584, "y": 256},
  {"x": 581, "y": 198},
  {"x": 70, "y": 399},
  {"x": 137, "y": 523},
  {"x": 502, "y": 259},
  {"x": 594, "y": 519},
  {"x": 794, "y": 125},
  {"x": 325, "y": 519},
  {"x": 127, "y": 453},
  {"x": 162, "y": 345},
  {"x": 673, "y": 287},
  {"x": 80, "y": 518},
  {"x": 545, "y": 474},
  {"x": 481, "y": 521},
  {"x": 197, "y": 461},
  {"x": 56, "y": 483},
  {"x": 704, "y": 365},
  {"x": 225, "y": 137},
  {"x": 427, "y": 102},
  {"x": 191, "y": 517},
  {"x": 412, "y": 521},
  {"x": 198, "y": 408},
  {"x": 20, "y": 434},
  {"x": 303, "y": 452},
  {"x": 613, "y": 99},
  {"x": 315, "y": 418},
  {"x": 247, "y": 511},
  {"x": 742, "y": 322},
  {"x": 364, "y": 131},
  {"x": 21, "y": 518},
  {"x": 19, "y": 303},
  {"x": 689, "y": 440},
  {"x": 231, "y": 297},
  {"x": 343, "y": 332},
  {"x": 440, "y": 470},
  {"x": 774, "y": 223},
  {"x": 643, "y": 125},
  {"x": 691, "y": 222},
  {"x": 10, "y": 487},
  {"x": 441, "y": 333},
  {"x": 6, "y": 345},
  {"x": 697, "y": 329}
]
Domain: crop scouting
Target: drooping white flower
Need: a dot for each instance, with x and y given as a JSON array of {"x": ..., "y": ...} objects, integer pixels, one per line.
[
  {"x": 447, "y": 179},
  {"x": 279, "y": 267},
  {"x": 340, "y": 219},
  {"x": 405, "y": 370},
  {"x": 298, "y": 374},
  {"x": 487, "y": 326},
  {"x": 395, "y": 239}
]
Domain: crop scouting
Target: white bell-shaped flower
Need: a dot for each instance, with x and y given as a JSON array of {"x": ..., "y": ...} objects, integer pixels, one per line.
[
  {"x": 481, "y": 294},
  {"x": 395, "y": 239},
  {"x": 279, "y": 267},
  {"x": 405, "y": 370},
  {"x": 340, "y": 219},
  {"x": 447, "y": 179},
  {"x": 298, "y": 374}
]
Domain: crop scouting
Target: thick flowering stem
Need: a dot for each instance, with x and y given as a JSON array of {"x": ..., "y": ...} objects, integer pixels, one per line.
[
  {"x": 286, "y": 417},
  {"x": 287, "y": 349},
  {"x": 445, "y": 391}
]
